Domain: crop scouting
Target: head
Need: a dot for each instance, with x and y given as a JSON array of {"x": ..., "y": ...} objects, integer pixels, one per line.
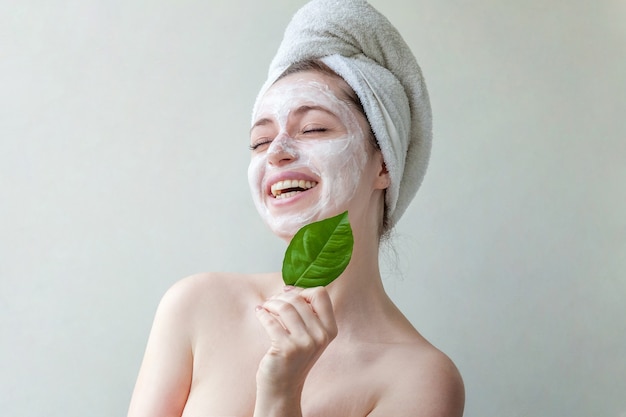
[
  {"x": 362, "y": 47},
  {"x": 310, "y": 127}
]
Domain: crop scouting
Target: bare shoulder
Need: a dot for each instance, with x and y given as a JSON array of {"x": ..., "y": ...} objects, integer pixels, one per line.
[
  {"x": 195, "y": 297},
  {"x": 426, "y": 383},
  {"x": 200, "y": 286},
  {"x": 194, "y": 306}
]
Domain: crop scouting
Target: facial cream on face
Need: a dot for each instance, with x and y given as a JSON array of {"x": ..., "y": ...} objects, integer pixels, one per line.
[{"x": 332, "y": 162}]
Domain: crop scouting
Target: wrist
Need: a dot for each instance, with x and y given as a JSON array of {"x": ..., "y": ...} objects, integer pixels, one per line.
[{"x": 272, "y": 402}]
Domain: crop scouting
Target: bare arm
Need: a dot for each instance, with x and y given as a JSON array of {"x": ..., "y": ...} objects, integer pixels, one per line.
[
  {"x": 300, "y": 325},
  {"x": 164, "y": 379}
]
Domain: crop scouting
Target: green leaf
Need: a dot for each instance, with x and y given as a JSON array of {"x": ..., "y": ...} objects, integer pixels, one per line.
[{"x": 319, "y": 252}]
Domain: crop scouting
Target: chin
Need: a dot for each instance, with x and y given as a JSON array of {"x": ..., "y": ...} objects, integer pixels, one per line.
[
  {"x": 285, "y": 227},
  {"x": 285, "y": 220}
]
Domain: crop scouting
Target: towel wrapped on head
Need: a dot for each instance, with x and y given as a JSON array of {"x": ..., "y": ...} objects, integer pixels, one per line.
[{"x": 366, "y": 50}]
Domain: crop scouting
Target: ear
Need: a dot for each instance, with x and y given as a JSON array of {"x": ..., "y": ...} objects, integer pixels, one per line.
[{"x": 383, "y": 180}]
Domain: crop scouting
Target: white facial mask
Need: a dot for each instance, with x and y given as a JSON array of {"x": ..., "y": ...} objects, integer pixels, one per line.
[{"x": 336, "y": 162}]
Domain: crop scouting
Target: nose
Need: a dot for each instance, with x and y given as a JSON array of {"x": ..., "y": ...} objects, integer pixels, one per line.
[{"x": 282, "y": 150}]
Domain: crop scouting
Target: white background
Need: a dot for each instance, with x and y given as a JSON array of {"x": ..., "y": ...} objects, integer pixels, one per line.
[{"x": 123, "y": 157}]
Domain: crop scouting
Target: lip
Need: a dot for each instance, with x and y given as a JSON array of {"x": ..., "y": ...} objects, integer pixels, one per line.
[{"x": 287, "y": 175}]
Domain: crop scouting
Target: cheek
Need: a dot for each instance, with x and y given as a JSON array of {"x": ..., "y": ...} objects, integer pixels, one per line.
[
  {"x": 341, "y": 162},
  {"x": 350, "y": 155},
  {"x": 256, "y": 170}
]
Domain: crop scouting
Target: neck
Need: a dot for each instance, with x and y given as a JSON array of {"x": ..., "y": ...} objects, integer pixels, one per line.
[{"x": 358, "y": 295}]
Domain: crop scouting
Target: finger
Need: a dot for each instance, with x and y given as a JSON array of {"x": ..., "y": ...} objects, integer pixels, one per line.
[
  {"x": 306, "y": 311},
  {"x": 321, "y": 303},
  {"x": 273, "y": 327},
  {"x": 287, "y": 314}
]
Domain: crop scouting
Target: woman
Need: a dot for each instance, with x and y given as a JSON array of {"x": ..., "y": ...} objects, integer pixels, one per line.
[{"x": 331, "y": 132}]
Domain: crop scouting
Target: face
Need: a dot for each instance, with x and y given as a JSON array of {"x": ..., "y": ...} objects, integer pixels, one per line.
[{"x": 309, "y": 152}]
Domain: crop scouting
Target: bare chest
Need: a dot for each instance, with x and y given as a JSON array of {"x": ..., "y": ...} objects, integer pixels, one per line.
[{"x": 224, "y": 385}]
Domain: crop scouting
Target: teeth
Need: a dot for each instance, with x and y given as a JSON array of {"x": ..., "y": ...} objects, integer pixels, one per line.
[
  {"x": 287, "y": 195},
  {"x": 277, "y": 189}
]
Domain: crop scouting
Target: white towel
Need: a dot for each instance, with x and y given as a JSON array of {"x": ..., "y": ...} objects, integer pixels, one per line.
[{"x": 366, "y": 50}]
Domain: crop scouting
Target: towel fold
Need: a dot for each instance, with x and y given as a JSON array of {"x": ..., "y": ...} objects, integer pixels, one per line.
[{"x": 366, "y": 50}]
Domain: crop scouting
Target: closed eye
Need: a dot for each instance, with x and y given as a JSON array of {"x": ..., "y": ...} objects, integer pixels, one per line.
[
  {"x": 256, "y": 145},
  {"x": 315, "y": 130}
]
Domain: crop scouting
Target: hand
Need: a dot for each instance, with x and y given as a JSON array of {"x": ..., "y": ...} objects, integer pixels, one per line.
[{"x": 300, "y": 324}]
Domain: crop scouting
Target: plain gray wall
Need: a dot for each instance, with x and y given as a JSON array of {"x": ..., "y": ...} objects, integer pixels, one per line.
[{"x": 123, "y": 157}]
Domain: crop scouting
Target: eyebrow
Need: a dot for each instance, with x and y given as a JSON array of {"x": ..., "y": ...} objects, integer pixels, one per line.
[
  {"x": 305, "y": 108},
  {"x": 299, "y": 111},
  {"x": 261, "y": 122}
]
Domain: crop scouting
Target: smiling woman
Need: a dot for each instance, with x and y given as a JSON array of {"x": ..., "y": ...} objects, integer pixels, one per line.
[
  {"x": 342, "y": 129},
  {"x": 309, "y": 135}
]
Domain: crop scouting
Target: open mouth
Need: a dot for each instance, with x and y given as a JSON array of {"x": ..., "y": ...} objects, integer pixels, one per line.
[{"x": 288, "y": 188}]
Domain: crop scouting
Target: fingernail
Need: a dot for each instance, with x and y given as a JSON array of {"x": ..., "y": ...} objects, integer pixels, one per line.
[
  {"x": 288, "y": 288},
  {"x": 258, "y": 308}
]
